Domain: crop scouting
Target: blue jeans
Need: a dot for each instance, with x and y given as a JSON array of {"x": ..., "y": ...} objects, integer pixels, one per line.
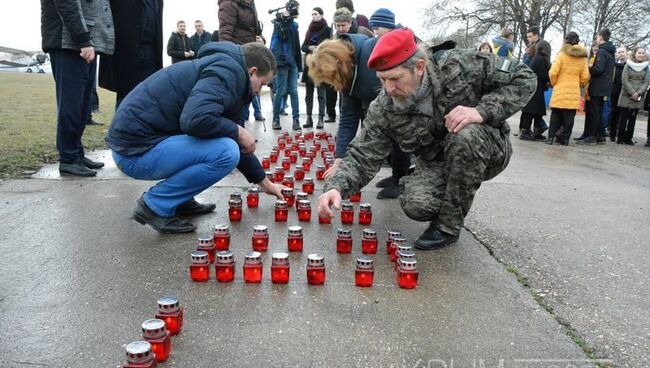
[
  {"x": 188, "y": 165},
  {"x": 257, "y": 109},
  {"x": 286, "y": 82}
]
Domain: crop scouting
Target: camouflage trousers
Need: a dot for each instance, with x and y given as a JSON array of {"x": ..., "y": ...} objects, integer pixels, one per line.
[{"x": 442, "y": 191}]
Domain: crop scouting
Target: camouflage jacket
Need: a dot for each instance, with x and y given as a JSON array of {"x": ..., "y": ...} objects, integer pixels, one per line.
[{"x": 495, "y": 86}]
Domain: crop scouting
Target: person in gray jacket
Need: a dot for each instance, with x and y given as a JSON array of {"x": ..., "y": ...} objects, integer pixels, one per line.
[
  {"x": 73, "y": 32},
  {"x": 634, "y": 83}
]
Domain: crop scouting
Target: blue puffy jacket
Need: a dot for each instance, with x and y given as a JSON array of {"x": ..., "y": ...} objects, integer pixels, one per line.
[{"x": 202, "y": 98}]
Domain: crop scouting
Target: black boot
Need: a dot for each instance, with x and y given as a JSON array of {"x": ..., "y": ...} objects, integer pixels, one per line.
[
  {"x": 434, "y": 238},
  {"x": 276, "y": 125},
  {"x": 526, "y": 135},
  {"x": 383, "y": 183},
  {"x": 166, "y": 225},
  {"x": 538, "y": 133},
  {"x": 296, "y": 125},
  {"x": 194, "y": 208},
  {"x": 76, "y": 168},
  {"x": 309, "y": 123},
  {"x": 91, "y": 164},
  {"x": 320, "y": 125}
]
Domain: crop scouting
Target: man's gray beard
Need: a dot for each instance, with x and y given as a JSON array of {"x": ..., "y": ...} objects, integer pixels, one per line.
[{"x": 403, "y": 102}]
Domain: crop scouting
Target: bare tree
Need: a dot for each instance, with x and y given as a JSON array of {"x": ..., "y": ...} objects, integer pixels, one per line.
[{"x": 628, "y": 20}]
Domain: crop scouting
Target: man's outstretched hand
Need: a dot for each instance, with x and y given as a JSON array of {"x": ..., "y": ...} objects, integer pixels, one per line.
[
  {"x": 271, "y": 188},
  {"x": 327, "y": 201}
]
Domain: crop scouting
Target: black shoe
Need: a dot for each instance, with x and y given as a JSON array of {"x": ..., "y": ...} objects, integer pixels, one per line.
[
  {"x": 93, "y": 122},
  {"x": 276, "y": 125},
  {"x": 309, "y": 123},
  {"x": 629, "y": 143},
  {"x": 587, "y": 141},
  {"x": 612, "y": 139},
  {"x": 194, "y": 208},
  {"x": 620, "y": 141},
  {"x": 580, "y": 138},
  {"x": 296, "y": 125},
  {"x": 525, "y": 135},
  {"x": 319, "y": 125},
  {"x": 383, "y": 183},
  {"x": 171, "y": 225},
  {"x": 260, "y": 118},
  {"x": 538, "y": 133},
  {"x": 549, "y": 141},
  {"x": 433, "y": 238},
  {"x": 76, "y": 168},
  {"x": 389, "y": 192},
  {"x": 330, "y": 119},
  {"x": 601, "y": 140},
  {"x": 91, "y": 164}
]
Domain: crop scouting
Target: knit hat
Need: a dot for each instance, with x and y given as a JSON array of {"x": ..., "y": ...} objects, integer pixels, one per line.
[
  {"x": 382, "y": 18},
  {"x": 392, "y": 49}
]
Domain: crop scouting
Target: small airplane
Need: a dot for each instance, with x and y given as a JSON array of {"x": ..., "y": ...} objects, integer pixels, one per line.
[{"x": 15, "y": 58}]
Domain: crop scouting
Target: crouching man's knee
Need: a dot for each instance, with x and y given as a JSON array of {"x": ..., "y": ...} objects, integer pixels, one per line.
[
  {"x": 227, "y": 154},
  {"x": 416, "y": 206}
]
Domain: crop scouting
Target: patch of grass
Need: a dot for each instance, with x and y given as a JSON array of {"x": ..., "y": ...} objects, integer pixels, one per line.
[{"x": 28, "y": 122}]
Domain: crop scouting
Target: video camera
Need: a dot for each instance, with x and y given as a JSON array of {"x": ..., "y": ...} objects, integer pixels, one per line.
[{"x": 291, "y": 8}]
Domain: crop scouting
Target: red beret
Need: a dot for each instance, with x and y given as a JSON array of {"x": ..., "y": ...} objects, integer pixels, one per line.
[{"x": 392, "y": 49}]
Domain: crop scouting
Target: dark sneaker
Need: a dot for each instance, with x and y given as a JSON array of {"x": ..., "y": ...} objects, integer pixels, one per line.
[
  {"x": 166, "y": 225},
  {"x": 433, "y": 238}
]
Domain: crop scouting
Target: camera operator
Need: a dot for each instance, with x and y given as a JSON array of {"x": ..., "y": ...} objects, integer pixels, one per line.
[{"x": 285, "y": 45}]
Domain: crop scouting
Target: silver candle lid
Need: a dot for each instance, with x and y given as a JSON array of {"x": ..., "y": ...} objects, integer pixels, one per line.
[
  {"x": 139, "y": 352},
  {"x": 235, "y": 195},
  {"x": 168, "y": 304},
  {"x": 392, "y": 234},
  {"x": 369, "y": 234},
  {"x": 280, "y": 204},
  {"x": 153, "y": 329},
  {"x": 200, "y": 257},
  {"x": 253, "y": 258},
  {"x": 315, "y": 259},
  {"x": 280, "y": 259},
  {"x": 364, "y": 262},
  {"x": 344, "y": 233},
  {"x": 225, "y": 257},
  {"x": 234, "y": 203},
  {"x": 221, "y": 229},
  {"x": 260, "y": 230},
  {"x": 347, "y": 206},
  {"x": 295, "y": 231},
  {"x": 304, "y": 204},
  {"x": 206, "y": 241},
  {"x": 365, "y": 207},
  {"x": 254, "y": 189}
]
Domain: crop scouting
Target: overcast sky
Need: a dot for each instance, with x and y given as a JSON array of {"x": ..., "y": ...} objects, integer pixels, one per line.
[{"x": 21, "y": 20}]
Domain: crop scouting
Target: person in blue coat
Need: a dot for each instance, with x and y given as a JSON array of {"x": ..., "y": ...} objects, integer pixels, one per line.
[{"x": 179, "y": 126}]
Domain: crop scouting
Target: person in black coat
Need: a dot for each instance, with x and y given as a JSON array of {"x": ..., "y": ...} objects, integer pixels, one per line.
[
  {"x": 536, "y": 107},
  {"x": 317, "y": 32},
  {"x": 615, "y": 114},
  {"x": 179, "y": 46},
  {"x": 180, "y": 126},
  {"x": 200, "y": 37},
  {"x": 138, "y": 46},
  {"x": 646, "y": 107}
]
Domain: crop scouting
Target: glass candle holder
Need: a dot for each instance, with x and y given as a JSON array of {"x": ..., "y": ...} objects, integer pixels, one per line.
[
  {"x": 294, "y": 157},
  {"x": 206, "y": 244},
  {"x": 397, "y": 242},
  {"x": 288, "y": 181},
  {"x": 356, "y": 197},
  {"x": 306, "y": 163},
  {"x": 301, "y": 196},
  {"x": 287, "y": 152},
  {"x": 316, "y": 147},
  {"x": 170, "y": 311},
  {"x": 295, "y": 146},
  {"x": 221, "y": 237},
  {"x": 330, "y": 146},
  {"x": 224, "y": 266},
  {"x": 288, "y": 138},
  {"x": 309, "y": 135},
  {"x": 302, "y": 150},
  {"x": 155, "y": 333},
  {"x": 235, "y": 195},
  {"x": 324, "y": 219},
  {"x": 280, "y": 268},
  {"x": 139, "y": 355},
  {"x": 281, "y": 211},
  {"x": 364, "y": 273},
  {"x": 323, "y": 152},
  {"x": 304, "y": 210},
  {"x": 253, "y": 267},
  {"x": 369, "y": 241},
  {"x": 269, "y": 175},
  {"x": 365, "y": 214},
  {"x": 282, "y": 143},
  {"x": 407, "y": 274},
  {"x": 286, "y": 163},
  {"x": 347, "y": 213},
  {"x": 289, "y": 196},
  {"x": 315, "y": 269},
  {"x": 260, "y": 239},
  {"x": 299, "y": 173},
  {"x": 234, "y": 209},
  {"x": 266, "y": 162},
  {"x": 402, "y": 255},
  {"x": 253, "y": 197},
  {"x": 273, "y": 157},
  {"x": 308, "y": 185},
  {"x": 343, "y": 241},
  {"x": 200, "y": 267},
  {"x": 278, "y": 174},
  {"x": 320, "y": 172},
  {"x": 389, "y": 239},
  {"x": 295, "y": 239}
]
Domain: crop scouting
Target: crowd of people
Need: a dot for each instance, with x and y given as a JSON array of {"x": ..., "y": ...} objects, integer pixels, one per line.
[{"x": 610, "y": 84}]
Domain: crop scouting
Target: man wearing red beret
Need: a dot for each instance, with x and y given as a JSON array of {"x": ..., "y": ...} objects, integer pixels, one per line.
[{"x": 448, "y": 108}]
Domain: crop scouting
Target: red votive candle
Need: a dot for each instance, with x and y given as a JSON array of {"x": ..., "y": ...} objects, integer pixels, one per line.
[
  {"x": 302, "y": 150},
  {"x": 308, "y": 185},
  {"x": 269, "y": 175},
  {"x": 407, "y": 274},
  {"x": 347, "y": 213},
  {"x": 294, "y": 156},
  {"x": 206, "y": 244},
  {"x": 273, "y": 157},
  {"x": 402, "y": 255},
  {"x": 323, "y": 152},
  {"x": 288, "y": 181},
  {"x": 330, "y": 146},
  {"x": 343, "y": 241},
  {"x": 324, "y": 219},
  {"x": 253, "y": 267},
  {"x": 224, "y": 266},
  {"x": 287, "y": 152},
  {"x": 221, "y": 237},
  {"x": 306, "y": 163},
  {"x": 400, "y": 251},
  {"x": 364, "y": 273},
  {"x": 234, "y": 209},
  {"x": 294, "y": 239},
  {"x": 397, "y": 242},
  {"x": 389, "y": 239},
  {"x": 329, "y": 162},
  {"x": 369, "y": 241},
  {"x": 280, "y": 268},
  {"x": 170, "y": 311},
  {"x": 320, "y": 172},
  {"x": 200, "y": 267},
  {"x": 281, "y": 210},
  {"x": 278, "y": 174},
  {"x": 155, "y": 333},
  {"x": 356, "y": 197},
  {"x": 299, "y": 173},
  {"x": 315, "y": 269},
  {"x": 282, "y": 143},
  {"x": 253, "y": 197},
  {"x": 260, "y": 238},
  {"x": 309, "y": 135},
  {"x": 301, "y": 196},
  {"x": 288, "y": 195},
  {"x": 304, "y": 211},
  {"x": 266, "y": 162},
  {"x": 139, "y": 355},
  {"x": 365, "y": 214},
  {"x": 286, "y": 163}
]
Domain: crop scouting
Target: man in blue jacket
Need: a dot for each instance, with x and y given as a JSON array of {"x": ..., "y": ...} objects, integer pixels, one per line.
[
  {"x": 179, "y": 126},
  {"x": 285, "y": 45}
]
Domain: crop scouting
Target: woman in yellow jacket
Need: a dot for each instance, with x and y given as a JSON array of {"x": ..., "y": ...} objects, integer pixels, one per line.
[{"x": 569, "y": 73}]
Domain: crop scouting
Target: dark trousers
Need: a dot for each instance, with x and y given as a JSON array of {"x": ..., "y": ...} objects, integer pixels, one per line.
[
  {"x": 627, "y": 123},
  {"x": 321, "y": 92},
  {"x": 561, "y": 123},
  {"x": 147, "y": 66},
  {"x": 74, "y": 79},
  {"x": 330, "y": 100},
  {"x": 526, "y": 120},
  {"x": 614, "y": 117},
  {"x": 400, "y": 161},
  {"x": 594, "y": 120}
]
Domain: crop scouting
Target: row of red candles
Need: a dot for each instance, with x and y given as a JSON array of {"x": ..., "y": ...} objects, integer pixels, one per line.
[{"x": 206, "y": 253}]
